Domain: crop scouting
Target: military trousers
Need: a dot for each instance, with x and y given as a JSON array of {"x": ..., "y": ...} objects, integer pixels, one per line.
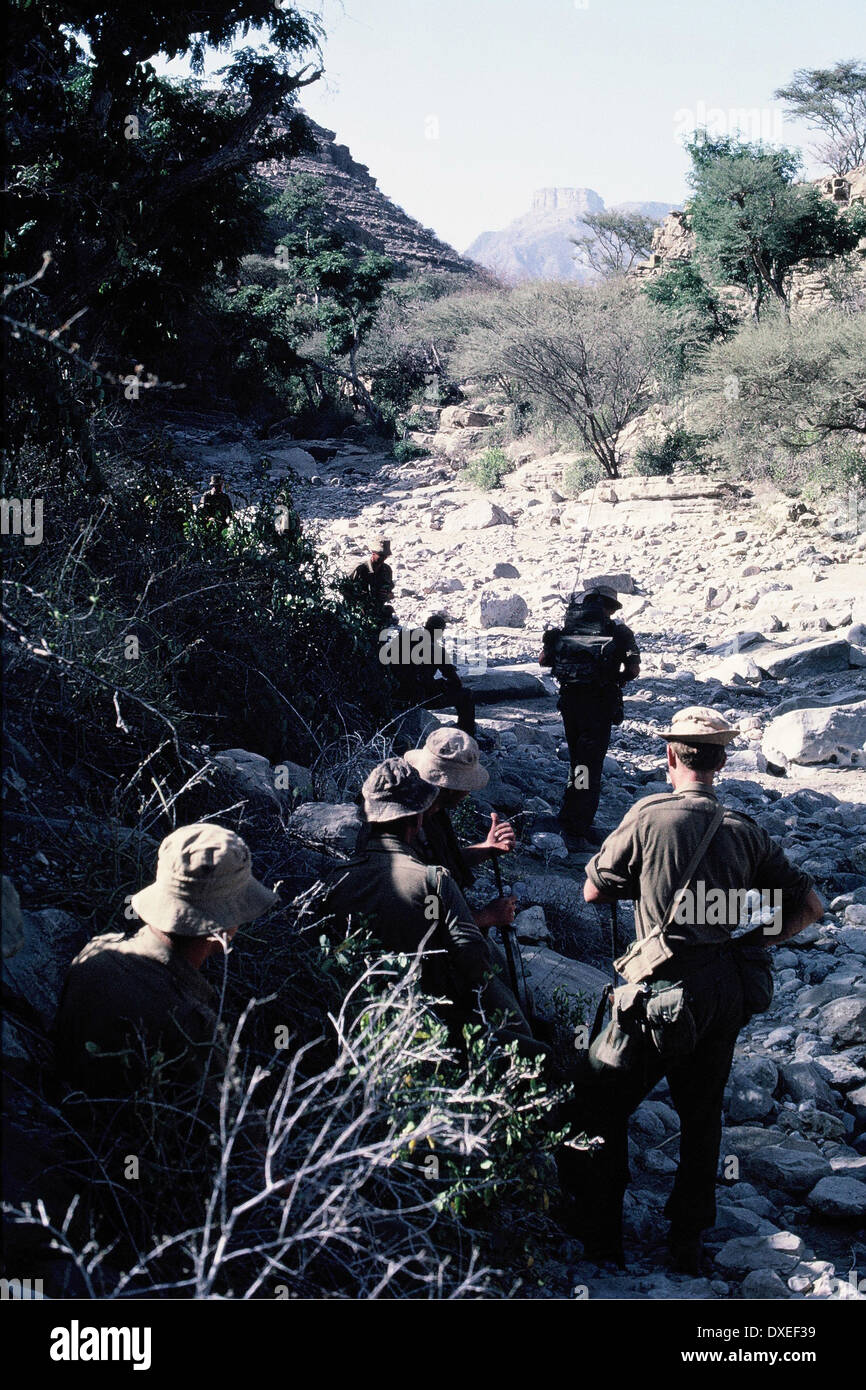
[
  {"x": 462, "y": 701},
  {"x": 605, "y": 1100},
  {"x": 587, "y": 720}
]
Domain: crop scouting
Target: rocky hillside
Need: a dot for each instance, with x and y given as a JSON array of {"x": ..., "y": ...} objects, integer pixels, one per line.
[
  {"x": 744, "y": 601},
  {"x": 538, "y": 245},
  {"x": 363, "y": 213}
]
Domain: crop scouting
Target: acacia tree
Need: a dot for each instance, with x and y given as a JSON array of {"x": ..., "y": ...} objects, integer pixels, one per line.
[
  {"x": 833, "y": 102},
  {"x": 583, "y": 355},
  {"x": 752, "y": 223},
  {"x": 617, "y": 241}
]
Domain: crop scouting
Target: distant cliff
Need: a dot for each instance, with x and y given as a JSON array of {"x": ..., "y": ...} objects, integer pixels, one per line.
[
  {"x": 538, "y": 245},
  {"x": 363, "y": 212}
]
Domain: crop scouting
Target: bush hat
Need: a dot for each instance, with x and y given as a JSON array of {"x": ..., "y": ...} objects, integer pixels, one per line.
[
  {"x": 604, "y": 591},
  {"x": 380, "y": 545},
  {"x": 450, "y": 759},
  {"x": 204, "y": 884},
  {"x": 698, "y": 724},
  {"x": 394, "y": 790},
  {"x": 216, "y": 478}
]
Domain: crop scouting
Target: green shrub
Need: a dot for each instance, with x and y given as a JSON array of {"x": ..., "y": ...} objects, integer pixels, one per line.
[
  {"x": 580, "y": 474},
  {"x": 406, "y": 449},
  {"x": 487, "y": 471},
  {"x": 657, "y": 459}
]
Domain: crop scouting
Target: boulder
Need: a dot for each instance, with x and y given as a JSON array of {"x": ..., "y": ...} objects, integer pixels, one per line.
[
  {"x": 249, "y": 773},
  {"x": 325, "y": 826},
  {"x": 35, "y": 973},
  {"x": 832, "y": 735},
  {"x": 735, "y": 669},
  {"x": 839, "y": 1199},
  {"x": 504, "y": 683},
  {"x": 764, "y": 1283},
  {"x": 622, "y": 583},
  {"x": 850, "y": 696},
  {"x": 844, "y": 1020},
  {"x": 295, "y": 460},
  {"x": 547, "y": 971},
  {"x": 781, "y": 1251},
  {"x": 808, "y": 659},
  {"x": 751, "y": 1085},
  {"x": 530, "y": 925},
  {"x": 476, "y": 517},
  {"x": 805, "y": 1081},
  {"x": 461, "y": 417},
  {"x": 503, "y": 570},
  {"x": 793, "y": 1170},
  {"x": 497, "y": 609}
]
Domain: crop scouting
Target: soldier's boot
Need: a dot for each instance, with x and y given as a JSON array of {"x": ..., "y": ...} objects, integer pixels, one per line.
[{"x": 685, "y": 1249}]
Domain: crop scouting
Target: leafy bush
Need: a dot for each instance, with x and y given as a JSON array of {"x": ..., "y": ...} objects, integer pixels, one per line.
[
  {"x": 656, "y": 459},
  {"x": 580, "y": 474},
  {"x": 406, "y": 449},
  {"x": 487, "y": 471}
]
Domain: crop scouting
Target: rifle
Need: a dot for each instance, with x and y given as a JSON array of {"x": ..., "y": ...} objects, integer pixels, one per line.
[{"x": 512, "y": 954}]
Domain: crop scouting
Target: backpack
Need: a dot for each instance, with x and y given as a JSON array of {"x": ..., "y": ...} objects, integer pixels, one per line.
[{"x": 586, "y": 652}]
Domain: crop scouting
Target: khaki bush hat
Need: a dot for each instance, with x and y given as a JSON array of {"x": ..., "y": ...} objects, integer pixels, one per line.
[
  {"x": 204, "y": 884},
  {"x": 380, "y": 545},
  {"x": 450, "y": 759},
  {"x": 604, "y": 591},
  {"x": 216, "y": 478},
  {"x": 698, "y": 724},
  {"x": 394, "y": 790}
]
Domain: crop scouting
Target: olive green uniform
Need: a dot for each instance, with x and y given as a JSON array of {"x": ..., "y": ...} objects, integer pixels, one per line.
[
  {"x": 135, "y": 996},
  {"x": 389, "y": 887},
  {"x": 438, "y": 844},
  {"x": 378, "y": 582},
  {"x": 216, "y": 506},
  {"x": 644, "y": 859}
]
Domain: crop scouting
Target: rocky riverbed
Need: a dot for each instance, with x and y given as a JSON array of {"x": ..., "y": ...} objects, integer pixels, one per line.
[{"x": 742, "y": 600}]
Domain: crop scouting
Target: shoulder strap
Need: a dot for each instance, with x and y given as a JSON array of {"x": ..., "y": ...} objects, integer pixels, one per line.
[{"x": 715, "y": 821}]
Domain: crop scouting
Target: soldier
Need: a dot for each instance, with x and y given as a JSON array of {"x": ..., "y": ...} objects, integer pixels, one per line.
[
  {"x": 450, "y": 761},
  {"x": 669, "y": 851},
  {"x": 426, "y": 677},
  {"x": 411, "y": 906},
  {"x": 128, "y": 997},
  {"x": 215, "y": 504},
  {"x": 374, "y": 576},
  {"x": 592, "y": 658}
]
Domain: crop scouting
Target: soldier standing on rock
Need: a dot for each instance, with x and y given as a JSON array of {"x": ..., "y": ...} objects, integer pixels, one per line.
[
  {"x": 215, "y": 504},
  {"x": 592, "y": 658},
  {"x": 690, "y": 986},
  {"x": 374, "y": 576}
]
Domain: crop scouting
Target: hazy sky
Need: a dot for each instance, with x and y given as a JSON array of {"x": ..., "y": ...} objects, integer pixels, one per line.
[{"x": 462, "y": 107}]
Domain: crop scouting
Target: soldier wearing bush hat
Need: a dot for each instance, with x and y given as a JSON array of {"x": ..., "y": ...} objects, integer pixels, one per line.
[
  {"x": 373, "y": 576},
  {"x": 412, "y": 907},
  {"x": 127, "y": 998},
  {"x": 216, "y": 505},
  {"x": 673, "y": 855}
]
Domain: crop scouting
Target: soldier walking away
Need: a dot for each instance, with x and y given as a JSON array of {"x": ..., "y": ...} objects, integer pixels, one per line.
[
  {"x": 215, "y": 504},
  {"x": 450, "y": 760},
  {"x": 692, "y": 986},
  {"x": 374, "y": 576},
  {"x": 592, "y": 658},
  {"x": 426, "y": 677},
  {"x": 127, "y": 998},
  {"x": 413, "y": 907}
]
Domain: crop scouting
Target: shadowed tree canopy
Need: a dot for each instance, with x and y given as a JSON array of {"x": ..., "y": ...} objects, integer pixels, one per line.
[
  {"x": 833, "y": 102},
  {"x": 141, "y": 188}
]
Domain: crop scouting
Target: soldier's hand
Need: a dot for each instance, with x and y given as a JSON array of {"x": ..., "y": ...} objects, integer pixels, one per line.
[{"x": 501, "y": 838}]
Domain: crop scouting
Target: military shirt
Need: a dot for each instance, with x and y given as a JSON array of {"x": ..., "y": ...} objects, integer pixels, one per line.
[
  {"x": 387, "y": 887},
  {"x": 379, "y": 583},
  {"x": 120, "y": 989},
  {"x": 438, "y": 844},
  {"x": 217, "y": 505},
  {"x": 647, "y": 855}
]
